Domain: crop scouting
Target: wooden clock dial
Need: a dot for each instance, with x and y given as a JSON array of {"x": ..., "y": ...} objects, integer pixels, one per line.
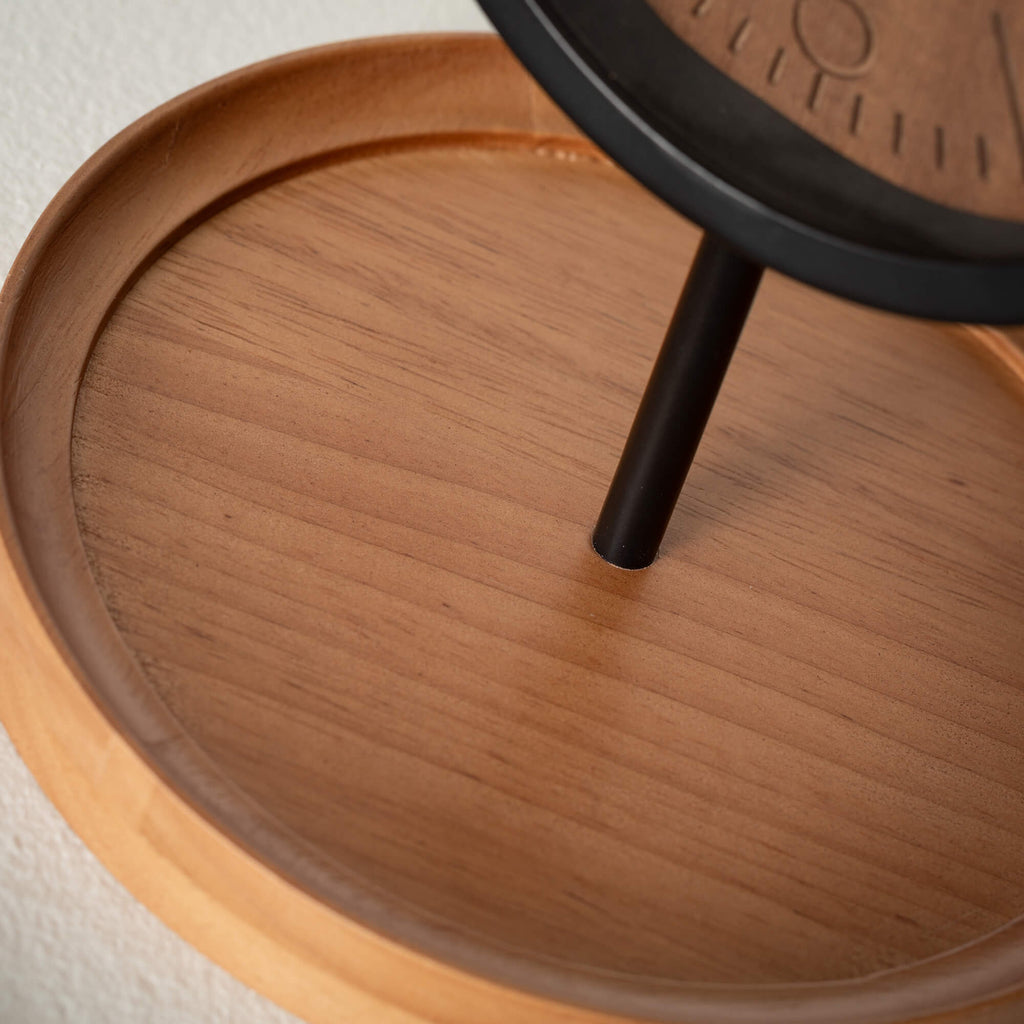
[{"x": 926, "y": 94}]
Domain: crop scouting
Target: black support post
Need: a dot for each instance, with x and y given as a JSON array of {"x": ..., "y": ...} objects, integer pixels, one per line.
[{"x": 676, "y": 404}]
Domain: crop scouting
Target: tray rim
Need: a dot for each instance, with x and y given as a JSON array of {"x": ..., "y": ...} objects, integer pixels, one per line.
[{"x": 116, "y": 797}]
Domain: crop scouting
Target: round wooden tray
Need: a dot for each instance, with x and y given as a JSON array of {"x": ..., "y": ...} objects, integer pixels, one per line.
[{"x": 312, "y": 383}]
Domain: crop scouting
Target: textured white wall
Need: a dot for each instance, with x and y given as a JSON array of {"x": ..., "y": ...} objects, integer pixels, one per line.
[{"x": 74, "y": 945}]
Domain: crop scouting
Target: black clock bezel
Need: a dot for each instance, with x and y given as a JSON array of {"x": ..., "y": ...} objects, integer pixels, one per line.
[{"x": 731, "y": 163}]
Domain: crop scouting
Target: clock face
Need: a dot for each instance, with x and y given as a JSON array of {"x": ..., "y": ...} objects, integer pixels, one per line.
[{"x": 927, "y": 94}]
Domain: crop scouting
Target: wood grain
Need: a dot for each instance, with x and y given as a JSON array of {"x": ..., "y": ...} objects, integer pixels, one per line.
[
  {"x": 376, "y": 727},
  {"x": 928, "y": 96}
]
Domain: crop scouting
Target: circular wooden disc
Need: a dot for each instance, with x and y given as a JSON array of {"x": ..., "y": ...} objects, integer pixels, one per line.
[{"x": 312, "y": 383}]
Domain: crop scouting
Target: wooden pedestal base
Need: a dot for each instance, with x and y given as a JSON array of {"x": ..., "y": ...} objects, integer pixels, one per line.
[{"x": 313, "y": 383}]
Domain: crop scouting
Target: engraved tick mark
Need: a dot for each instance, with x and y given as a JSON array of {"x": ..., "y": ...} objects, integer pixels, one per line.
[
  {"x": 981, "y": 148},
  {"x": 701, "y": 7},
  {"x": 814, "y": 96},
  {"x": 778, "y": 65},
  {"x": 940, "y": 147},
  {"x": 858, "y": 106},
  {"x": 897, "y": 132},
  {"x": 740, "y": 36},
  {"x": 1009, "y": 70}
]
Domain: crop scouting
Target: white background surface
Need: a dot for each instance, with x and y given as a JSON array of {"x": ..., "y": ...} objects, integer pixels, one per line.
[{"x": 74, "y": 945}]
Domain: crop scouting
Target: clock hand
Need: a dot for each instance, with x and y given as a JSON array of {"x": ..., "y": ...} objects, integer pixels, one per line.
[{"x": 1009, "y": 69}]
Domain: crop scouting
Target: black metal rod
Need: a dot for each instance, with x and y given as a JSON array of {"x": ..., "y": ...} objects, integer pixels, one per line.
[{"x": 676, "y": 404}]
